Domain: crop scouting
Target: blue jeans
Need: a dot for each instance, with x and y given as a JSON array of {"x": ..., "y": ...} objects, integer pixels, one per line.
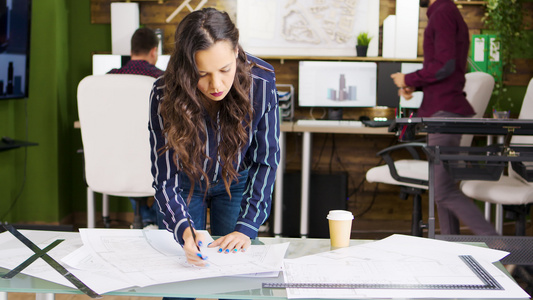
[
  {"x": 148, "y": 213},
  {"x": 224, "y": 211}
]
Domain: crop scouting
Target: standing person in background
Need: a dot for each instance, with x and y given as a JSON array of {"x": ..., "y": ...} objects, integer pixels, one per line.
[
  {"x": 215, "y": 126},
  {"x": 442, "y": 79},
  {"x": 144, "y": 48}
]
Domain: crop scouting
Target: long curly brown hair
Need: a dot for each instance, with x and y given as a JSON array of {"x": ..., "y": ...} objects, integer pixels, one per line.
[{"x": 183, "y": 108}]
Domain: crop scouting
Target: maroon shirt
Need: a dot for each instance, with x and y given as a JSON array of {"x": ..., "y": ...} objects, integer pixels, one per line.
[
  {"x": 139, "y": 67},
  {"x": 442, "y": 78}
]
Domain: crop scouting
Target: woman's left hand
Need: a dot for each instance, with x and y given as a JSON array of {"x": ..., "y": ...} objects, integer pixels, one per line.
[{"x": 232, "y": 242}]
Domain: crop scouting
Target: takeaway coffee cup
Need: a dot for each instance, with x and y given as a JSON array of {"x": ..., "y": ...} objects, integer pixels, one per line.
[{"x": 340, "y": 227}]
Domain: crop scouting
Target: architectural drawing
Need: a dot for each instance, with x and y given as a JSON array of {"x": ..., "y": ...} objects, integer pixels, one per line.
[{"x": 306, "y": 27}]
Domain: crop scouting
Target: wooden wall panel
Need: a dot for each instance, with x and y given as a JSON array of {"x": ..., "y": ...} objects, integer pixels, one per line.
[
  {"x": 154, "y": 15},
  {"x": 473, "y": 15},
  {"x": 527, "y": 8},
  {"x": 386, "y": 8},
  {"x": 524, "y": 73},
  {"x": 100, "y": 12}
]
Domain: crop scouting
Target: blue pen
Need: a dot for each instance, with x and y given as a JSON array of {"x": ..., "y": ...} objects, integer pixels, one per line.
[{"x": 193, "y": 234}]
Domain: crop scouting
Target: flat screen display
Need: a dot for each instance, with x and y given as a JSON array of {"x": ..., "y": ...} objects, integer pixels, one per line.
[
  {"x": 103, "y": 63},
  {"x": 15, "y": 20},
  {"x": 337, "y": 84}
]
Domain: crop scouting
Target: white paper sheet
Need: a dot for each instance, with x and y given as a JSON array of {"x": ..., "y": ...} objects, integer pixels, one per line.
[
  {"x": 399, "y": 260},
  {"x": 114, "y": 259},
  {"x": 151, "y": 257}
]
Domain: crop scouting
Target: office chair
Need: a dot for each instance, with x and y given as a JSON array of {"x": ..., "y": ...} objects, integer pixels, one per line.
[
  {"x": 412, "y": 174},
  {"x": 512, "y": 192},
  {"x": 113, "y": 112}
]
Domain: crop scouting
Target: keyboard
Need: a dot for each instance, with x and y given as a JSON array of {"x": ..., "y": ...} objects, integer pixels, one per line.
[
  {"x": 372, "y": 123},
  {"x": 330, "y": 123}
]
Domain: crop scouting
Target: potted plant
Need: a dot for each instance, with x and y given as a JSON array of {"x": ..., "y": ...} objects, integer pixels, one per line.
[
  {"x": 504, "y": 18},
  {"x": 362, "y": 43}
]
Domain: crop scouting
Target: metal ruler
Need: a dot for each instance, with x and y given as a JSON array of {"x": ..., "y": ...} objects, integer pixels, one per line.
[
  {"x": 489, "y": 283},
  {"x": 53, "y": 263}
]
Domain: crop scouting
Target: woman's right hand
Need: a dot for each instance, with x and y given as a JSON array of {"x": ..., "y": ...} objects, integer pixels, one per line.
[{"x": 194, "y": 256}]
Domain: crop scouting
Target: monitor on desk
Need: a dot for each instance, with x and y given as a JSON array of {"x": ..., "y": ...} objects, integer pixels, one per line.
[
  {"x": 337, "y": 84},
  {"x": 103, "y": 63}
]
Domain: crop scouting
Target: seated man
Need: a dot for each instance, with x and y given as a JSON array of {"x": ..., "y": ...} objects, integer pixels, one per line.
[{"x": 144, "y": 48}]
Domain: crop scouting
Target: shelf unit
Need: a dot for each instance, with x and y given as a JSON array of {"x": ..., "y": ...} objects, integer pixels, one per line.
[
  {"x": 341, "y": 58},
  {"x": 473, "y": 2}
]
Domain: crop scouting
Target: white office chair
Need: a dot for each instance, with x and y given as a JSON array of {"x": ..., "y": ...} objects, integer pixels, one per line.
[
  {"x": 412, "y": 174},
  {"x": 113, "y": 112},
  {"x": 512, "y": 192}
]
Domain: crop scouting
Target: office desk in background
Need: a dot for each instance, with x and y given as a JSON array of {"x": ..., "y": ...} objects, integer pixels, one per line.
[{"x": 307, "y": 129}]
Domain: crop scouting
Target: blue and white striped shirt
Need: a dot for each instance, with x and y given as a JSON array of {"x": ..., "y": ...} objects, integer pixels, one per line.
[{"x": 260, "y": 156}]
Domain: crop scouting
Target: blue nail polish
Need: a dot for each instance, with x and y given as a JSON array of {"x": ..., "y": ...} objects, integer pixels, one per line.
[
  {"x": 200, "y": 243},
  {"x": 227, "y": 250},
  {"x": 219, "y": 250},
  {"x": 235, "y": 250},
  {"x": 206, "y": 265},
  {"x": 209, "y": 244},
  {"x": 199, "y": 255}
]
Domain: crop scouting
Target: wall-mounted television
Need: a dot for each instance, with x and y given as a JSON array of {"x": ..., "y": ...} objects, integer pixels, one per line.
[
  {"x": 337, "y": 84},
  {"x": 15, "y": 20}
]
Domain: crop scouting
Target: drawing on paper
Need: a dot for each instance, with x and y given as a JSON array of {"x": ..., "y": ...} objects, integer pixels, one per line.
[{"x": 308, "y": 27}]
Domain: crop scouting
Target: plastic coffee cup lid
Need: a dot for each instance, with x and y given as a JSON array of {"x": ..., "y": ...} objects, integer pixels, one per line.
[{"x": 340, "y": 215}]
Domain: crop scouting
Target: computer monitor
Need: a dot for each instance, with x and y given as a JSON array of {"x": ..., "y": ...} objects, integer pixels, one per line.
[
  {"x": 15, "y": 29},
  {"x": 337, "y": 84},
  {"x": 103, "y": 63}
]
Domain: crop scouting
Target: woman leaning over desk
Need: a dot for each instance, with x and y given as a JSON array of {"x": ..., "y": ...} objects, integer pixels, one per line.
[{"x": 214, "y": 124}]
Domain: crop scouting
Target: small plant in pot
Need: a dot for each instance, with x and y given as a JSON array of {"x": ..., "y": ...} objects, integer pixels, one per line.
[{"x": 362, "y": 43}]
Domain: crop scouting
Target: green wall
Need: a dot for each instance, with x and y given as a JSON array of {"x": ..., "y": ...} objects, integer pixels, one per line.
[
  {"x": 48, "y": 64},
  {"x": 62, "y": 40}
]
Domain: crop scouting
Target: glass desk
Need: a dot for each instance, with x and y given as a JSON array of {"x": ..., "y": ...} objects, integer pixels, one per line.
[{"x": 220, "y": 287}]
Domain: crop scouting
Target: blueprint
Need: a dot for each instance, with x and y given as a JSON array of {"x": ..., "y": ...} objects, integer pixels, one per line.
[
  {"x": 398, "y": 261},
  {"x": 113, "y": 259}
]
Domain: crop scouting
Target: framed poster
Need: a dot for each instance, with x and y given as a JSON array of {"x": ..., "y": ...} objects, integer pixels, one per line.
[{"x": 307, "y": 27}]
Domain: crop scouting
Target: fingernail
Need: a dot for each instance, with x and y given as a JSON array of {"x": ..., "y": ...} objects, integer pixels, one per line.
[
  {"x": 199, "y": 255},
  {"x": 200, "y": 243},
  {"x": 227, "y": 250},
  {"x": 219, "y": 250},
  {"x": 243, "y": 249},
  {"x": 207, "y": 265},
  {"x": 235, "y": 250},
  {"x": 209, "y": 244}
]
